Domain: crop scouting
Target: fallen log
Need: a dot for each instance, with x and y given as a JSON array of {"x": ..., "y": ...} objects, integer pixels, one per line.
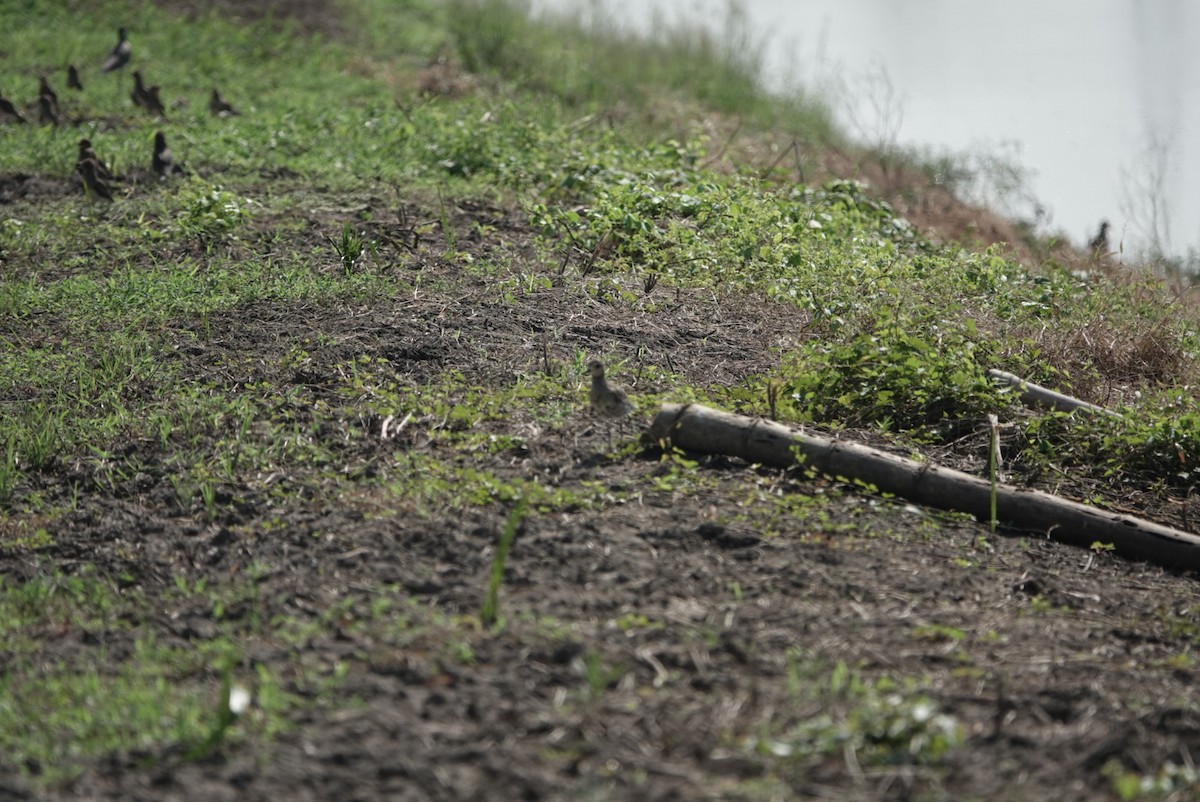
[
  {"x": 696, "y": 428},
  {"x": 1035, "y": 395}
]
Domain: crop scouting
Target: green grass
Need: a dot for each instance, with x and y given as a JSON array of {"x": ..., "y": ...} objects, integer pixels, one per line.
[
  {"x": 114, "y": 320},
  {"x": 160, "y": 696},
  {"x": 879, "y": 722},
  {"x": 902, "y": 331},
  {"x": 489, "y": 613}
]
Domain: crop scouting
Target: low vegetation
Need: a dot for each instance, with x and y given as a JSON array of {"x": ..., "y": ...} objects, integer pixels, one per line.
[{"x": 307, "y": 425}]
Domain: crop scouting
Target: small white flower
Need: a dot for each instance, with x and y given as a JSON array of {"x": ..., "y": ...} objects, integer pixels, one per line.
[{"x": 239, "y": 700}]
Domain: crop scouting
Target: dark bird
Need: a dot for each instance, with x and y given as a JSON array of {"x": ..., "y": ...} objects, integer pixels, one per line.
[
  {"x": 139, "y": 90},
  {"x": 47, "y": 112},
  {"x": 73, "y": 81},
  {"x": 153, "y": 102},
  {"x": 1098, "y": 245},
  {"x": 88, "y": 153},
  {"x": 44, "y": 89},
  {"x": 147, "y": 97},
  {"x": 219, "y": 107},
  {"x": 164, "y": 161},
  {"x": 9, "y": 113},
  {"x": 93, "y": 184},
  {"x": 119, "y": 56}
]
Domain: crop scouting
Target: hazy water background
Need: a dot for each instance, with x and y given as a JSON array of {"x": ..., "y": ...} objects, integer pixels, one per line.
[{"x": 1098, "y": 99}]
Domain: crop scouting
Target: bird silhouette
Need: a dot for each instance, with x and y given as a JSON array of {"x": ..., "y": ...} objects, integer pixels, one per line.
[
  {"x": 47, "y": 112},
  {"x": 219, "y": 107},
  {"x": 153, "y": 102},
  {"x": 73, "y": 81},
  {"x": 138, "y": 96},
  {"x": 164, "y": 161},
  {"x": 87, "y": 152},
  {"x": 45, "y": 89},
  {"x": 146, "y": 96},
  {"x": 93, "y": 184},
  {"x": 119, "y": 56},
  {"x": 9, "y": 113},
  {"x": 1098, "y": 245}
]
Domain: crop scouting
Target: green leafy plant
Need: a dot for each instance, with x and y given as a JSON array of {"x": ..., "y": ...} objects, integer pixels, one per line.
[
  {"x": 1170, "y": 781},
  {"x": 871, "y": 719},
  {"x": 349, "y": 247},
  {"x": 893, "y": 378},
  {"x": 598, "y": 676},
  {"x": 209, "y": 211}
]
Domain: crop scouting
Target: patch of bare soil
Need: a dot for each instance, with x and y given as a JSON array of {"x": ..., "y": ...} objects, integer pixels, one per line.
[{"x": 1067, "y": 661}]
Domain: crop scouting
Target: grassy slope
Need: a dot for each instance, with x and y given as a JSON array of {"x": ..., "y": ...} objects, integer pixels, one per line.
[{"x": 97, "y": 301}]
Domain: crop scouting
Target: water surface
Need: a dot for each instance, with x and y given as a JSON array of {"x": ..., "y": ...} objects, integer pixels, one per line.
[{"x": 1098, "y": 99}]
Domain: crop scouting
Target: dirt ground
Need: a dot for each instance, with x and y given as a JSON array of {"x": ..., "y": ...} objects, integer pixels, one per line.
[{"x": 1069, "y": 660}]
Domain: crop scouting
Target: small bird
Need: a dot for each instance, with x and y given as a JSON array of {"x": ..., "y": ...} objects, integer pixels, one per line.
[
  {"x": 1098, "y": 245},
  {"x": 138, "y": 96},
  {"x": 47, "y": 112},
  {"x": 219, "y": 107},
  {"x": 45, "y": 90},
  {"x": 153, "y": 102},
  {"x": 607, "y": 401},
  {"x": 73, "y": 81},
  {"x": 9, "y": 113},
  {"x": 93, "y": 184},
  {"x": 119, "y": 56},
  {"x": 164, "y": 161},
  {"x": 87, "y": 152}
]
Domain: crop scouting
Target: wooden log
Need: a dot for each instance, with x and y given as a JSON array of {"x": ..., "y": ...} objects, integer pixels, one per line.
[
  {"x": 1035, "y": 395},
  {"x": 696, "y": 428}
]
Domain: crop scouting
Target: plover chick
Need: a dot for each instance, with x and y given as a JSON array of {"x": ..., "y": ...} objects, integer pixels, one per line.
[{"x": 607, "y": 401}]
